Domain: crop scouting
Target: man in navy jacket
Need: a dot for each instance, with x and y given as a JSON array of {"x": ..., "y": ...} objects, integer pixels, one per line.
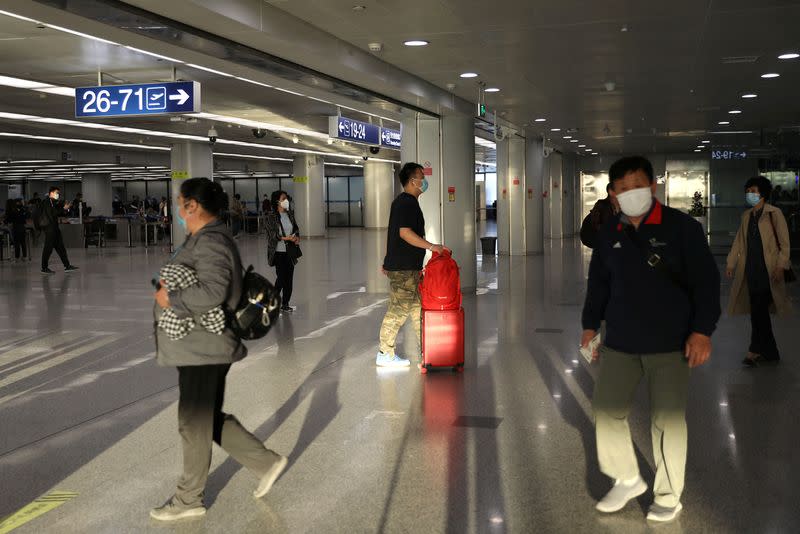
[{"x": 654, "y": 282}]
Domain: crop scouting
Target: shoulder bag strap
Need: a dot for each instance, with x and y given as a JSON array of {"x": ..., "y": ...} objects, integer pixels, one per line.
[
  {"x": 775, "y": 232},
  {"x": 656, "y": 262}
]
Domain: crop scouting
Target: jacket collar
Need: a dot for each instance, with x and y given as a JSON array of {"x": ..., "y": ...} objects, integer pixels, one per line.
[{"x": 654, "y": 216}]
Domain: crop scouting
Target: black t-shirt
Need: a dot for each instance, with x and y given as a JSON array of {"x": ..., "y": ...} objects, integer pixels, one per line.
[{"x": 400, "y": 256}]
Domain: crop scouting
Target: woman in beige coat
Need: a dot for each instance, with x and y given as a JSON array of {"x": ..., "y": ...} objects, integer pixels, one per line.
[{"x": 757, "y": 261}]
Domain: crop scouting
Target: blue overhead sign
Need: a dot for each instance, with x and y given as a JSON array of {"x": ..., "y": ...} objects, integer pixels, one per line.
[
  {"x": 139, "y": 99},
  {"x": 391, "y": 138},
  {"x": 356, "y": 131}
]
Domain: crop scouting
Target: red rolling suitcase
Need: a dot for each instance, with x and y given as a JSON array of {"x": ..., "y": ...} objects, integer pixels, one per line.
[{"x": 443, "y": 339}]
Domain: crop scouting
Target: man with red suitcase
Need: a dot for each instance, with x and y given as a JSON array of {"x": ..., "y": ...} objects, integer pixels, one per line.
[{"x": 405, "y": 253}]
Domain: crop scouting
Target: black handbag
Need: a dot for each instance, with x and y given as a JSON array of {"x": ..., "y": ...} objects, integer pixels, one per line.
[{"x": 788, "y": 274}]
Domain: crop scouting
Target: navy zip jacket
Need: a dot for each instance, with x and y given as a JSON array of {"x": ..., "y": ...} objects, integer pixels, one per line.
[{"x": 646, "y": 310}]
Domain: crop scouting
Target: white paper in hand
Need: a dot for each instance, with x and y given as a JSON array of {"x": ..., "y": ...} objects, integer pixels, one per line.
[{"x": 587, "y": 352}]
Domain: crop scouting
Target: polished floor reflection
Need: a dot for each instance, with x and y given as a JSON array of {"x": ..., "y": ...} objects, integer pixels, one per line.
[{"x": 507, "y": 446}]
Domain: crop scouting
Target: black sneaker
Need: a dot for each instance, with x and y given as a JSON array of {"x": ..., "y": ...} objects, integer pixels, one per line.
[
  {"x": 287, "y": 309},
  {"x": 70, "y": 269},
  {"x": 48, "y": 271}
]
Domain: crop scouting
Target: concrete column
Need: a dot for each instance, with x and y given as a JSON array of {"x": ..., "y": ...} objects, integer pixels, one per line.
[
  {"x": 569, "y": 194},
  {"x": 446, "y": 149},
  {"x": 552, "y": 204},
  {"x": 188, "y": 160},
  {"x": 458, "y": 194},
  {"x": 378, "y": 193},
  {"x": 97, "y": 194},
  {"x": 309, "y": 177},
  {"x": 512, "y": 196},
  {"x": 534, "y": 203}
]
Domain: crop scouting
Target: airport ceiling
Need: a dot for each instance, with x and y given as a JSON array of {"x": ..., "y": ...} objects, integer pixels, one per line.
[
  {"x": 619, "y": 75},
  {"x": 32, "y": 54}
]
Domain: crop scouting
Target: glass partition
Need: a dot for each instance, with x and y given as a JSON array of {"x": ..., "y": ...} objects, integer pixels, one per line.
[{"x": 593, "y": 188}]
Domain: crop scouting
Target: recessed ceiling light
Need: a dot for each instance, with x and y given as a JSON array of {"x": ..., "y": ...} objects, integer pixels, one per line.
[
  {"x": 735, "y": 111},
  {"x": 573, "y": 140},
  {"x": 705, "y": 142},
  {"x": 359, "y": 8},
  {"x": 588, "y": 150},
  {"x": 698, "y": 150},
  {"x": 723, "y": 123},
  {"x": 567, "y": 137},
  {"x": 749, "y": 95},
  {"x": 555, "y": 129},
  {"x": 581, "y": 146},
  {"x": 492, "y": 90},
  {"x": 540, "y": 120},
  {"x": 416, "y": 42},
  {"x": 469, "y": 75},
  {"x": 594, "y": 153},
  {"x": 770, "y": 75},
  {"x": 701, "y": 146},
  {"x": 791, "y": 55}
]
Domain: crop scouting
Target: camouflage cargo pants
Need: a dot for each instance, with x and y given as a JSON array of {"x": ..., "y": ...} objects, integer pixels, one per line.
[{"x": 403, "y": 303}]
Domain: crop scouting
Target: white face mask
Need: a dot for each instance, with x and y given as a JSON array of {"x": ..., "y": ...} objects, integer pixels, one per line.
[
  {"x": 285, "y": 204},
  {"x": 636, "y": 202},
  {"x": 56, "y": 196}
]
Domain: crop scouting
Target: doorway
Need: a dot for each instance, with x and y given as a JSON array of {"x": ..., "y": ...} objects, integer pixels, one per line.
[{"x": 344, "y": 200}]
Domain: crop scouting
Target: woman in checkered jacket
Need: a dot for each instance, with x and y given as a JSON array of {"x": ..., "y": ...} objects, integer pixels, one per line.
[{"x": 203, "y": 356}]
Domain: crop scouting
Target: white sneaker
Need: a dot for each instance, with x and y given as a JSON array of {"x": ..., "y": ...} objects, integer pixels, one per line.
[
  {"x": 270, "y": 477},
  {"x": 622, "y": 492},
  {"x": 662, "y": 514},
  {"x": 391, "y": 360},
  {"x": 173, "y": 512}
]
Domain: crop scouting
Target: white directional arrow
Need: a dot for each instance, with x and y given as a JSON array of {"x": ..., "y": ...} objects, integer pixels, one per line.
[
  {"x": 342, "y": 127},
  {"x": 181, "y": 97}
]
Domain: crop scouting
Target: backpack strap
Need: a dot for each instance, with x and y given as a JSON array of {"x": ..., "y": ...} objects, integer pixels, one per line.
[{"x": 656, "y": 262}]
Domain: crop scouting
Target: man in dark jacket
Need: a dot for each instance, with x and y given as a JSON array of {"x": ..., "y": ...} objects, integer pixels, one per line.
[
  {"x": 602, "y": 212},
  {"x": 51, "y": 209},
  {"x": 653, "y": 280}
]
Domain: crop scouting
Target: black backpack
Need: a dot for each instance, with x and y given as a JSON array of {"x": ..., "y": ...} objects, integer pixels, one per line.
[{"x": 258, "y": 308}]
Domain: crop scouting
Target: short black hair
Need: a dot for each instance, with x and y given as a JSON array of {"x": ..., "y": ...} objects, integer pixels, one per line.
[
  {"x": 407, "y": 171},
  {"x": 763, "y": 184},
  {"x": 237, "y": 196},
  {"x": 276, "y": 197},
  {"x": 206, "y": 193},
  {"x": 623, "y": 166},
  {"x": 54, "y": 188},
  {"x": 609, "y": 187}
]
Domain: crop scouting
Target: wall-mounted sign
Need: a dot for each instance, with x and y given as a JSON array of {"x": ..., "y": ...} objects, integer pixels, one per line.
[
  {"x": 139, "y": 99},
  {"x": 515, "y": 181},
  {"x": 451, "y": 193},
  {"x": 427, "y": 169},
  {"x": 728, "y": 154},
  {"x": 391, "y": 138},
  {"x": 530, "y": 193},
  {"x": 300, "y": 179},
  {"x": 180, "y": 175},
  {"x": 352, "y": 130}
]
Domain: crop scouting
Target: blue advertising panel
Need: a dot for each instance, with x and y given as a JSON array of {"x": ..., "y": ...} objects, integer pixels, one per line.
[
  {"x": 352, "y": 130},
  {"x": 391, "y": 138},
  {"x": 139, "y": 99}
]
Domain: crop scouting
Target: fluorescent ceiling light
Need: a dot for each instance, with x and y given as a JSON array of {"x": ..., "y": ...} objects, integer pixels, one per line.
[
  {"x": 469, "y": 75},
  {"x": 153, "y": 54},
  {"x": 343, "y": 165},
  {"x": 698, "y": 150},
  {"x": 416, "y": 42},
  {"x": 250, "y": 156},
  {"x": 705, "y": 142},
  {"x": 80, "y": 34},
  {"x": 594, "y": 153},
  {"x": 26, "y": 161},
  {"x": 770, "y": 75},
  {"x": 73, "y": 140},
  {"x": 588, "y": 150},
  {"x": 555, "y": 129},
  {"x": 248, "y": 80},
  {"x": 723, "y": 123},
  {"x": 581, "y": 146},
  {"x": 735, "y": 111},
  {"x": 540, "y": 120},
  {"x": 567, "y": 137},
  {"x": 790, "y": 55},
  {"x": 573, "y": 141},
  {"x": 749, "y": 95},
  {"x": 492, "y": 90},
  {"x": 210, "y": 70},
  {"x": 484, "y": 143}
]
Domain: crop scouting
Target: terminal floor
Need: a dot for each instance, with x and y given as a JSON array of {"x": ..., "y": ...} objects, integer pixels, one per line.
[{"x": 507, "y": 446}]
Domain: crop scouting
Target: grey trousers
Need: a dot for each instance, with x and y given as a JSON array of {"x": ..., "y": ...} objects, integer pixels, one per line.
[
  {"x": 667, "y": 378},
  {"x": 201, "y": 421}
]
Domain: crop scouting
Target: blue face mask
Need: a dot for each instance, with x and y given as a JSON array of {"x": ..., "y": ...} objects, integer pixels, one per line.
[
  {"x": 181, "y": 221},
  {"x": 753, "y": 199},
  {"x": 424, "y": 186}
]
